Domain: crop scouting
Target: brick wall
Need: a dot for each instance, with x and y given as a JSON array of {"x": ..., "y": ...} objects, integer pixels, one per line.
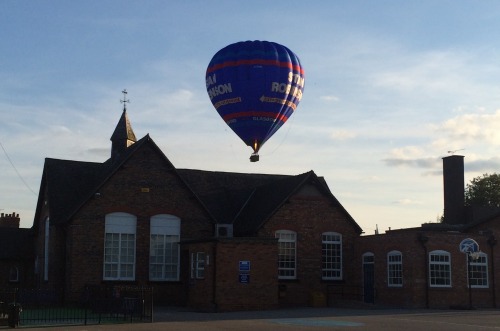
[
  {"x": 416, "y": 292},
  {"x": 309, "y": 214},
  {"x": 223, "y": 290},
  {"x": 257, "y": 292},
  {"x": 145, "y": 186}
]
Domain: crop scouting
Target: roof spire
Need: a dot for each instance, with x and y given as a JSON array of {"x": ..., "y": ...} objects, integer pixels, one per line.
[
  {"x": 125, "y": 100},
  {"x": 123, "y": 136}
]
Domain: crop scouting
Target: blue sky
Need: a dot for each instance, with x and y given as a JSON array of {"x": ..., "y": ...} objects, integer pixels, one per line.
[{"x": 390, "y": 88}]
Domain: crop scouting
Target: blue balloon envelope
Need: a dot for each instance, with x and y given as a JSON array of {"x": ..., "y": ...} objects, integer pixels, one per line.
[{"x": 255, "y": 86}]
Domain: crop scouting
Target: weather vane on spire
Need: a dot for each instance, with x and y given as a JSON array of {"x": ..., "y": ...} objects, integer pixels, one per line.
[{"x": 125, "y": 100}]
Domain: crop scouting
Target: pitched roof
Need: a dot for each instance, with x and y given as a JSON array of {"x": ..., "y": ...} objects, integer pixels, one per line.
[
  {"x": 264, "y": 201},
  {"x": 248, "y": 200},
  {"x": 224, "y": 193},
  {"x": 70, "y": 184},
  {"x": 244, "y": 200}
]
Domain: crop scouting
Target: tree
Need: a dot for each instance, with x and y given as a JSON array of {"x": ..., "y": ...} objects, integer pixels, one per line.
[{"x": 483, "y": 191}]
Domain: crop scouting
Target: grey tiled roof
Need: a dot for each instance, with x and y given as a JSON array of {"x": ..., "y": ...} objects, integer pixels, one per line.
[
  {"x": 242, "y": 199},
  {"x": 69, "y": 183}
]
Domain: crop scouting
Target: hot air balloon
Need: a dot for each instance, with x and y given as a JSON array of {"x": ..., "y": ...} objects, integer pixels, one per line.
[{"x": 255, "y": 86}]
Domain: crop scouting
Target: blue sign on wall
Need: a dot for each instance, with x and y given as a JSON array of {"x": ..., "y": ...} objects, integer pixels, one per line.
[
  {"x": 468, "y": 246},
  {"x": 244, "y": 265}
]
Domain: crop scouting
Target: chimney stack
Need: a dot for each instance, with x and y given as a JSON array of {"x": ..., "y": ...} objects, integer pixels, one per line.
[
  {"x": 9, "y": 220},
  {"x": 454, "y": 186}
]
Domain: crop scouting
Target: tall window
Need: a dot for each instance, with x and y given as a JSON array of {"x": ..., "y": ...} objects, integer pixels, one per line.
[
  {"x": 198, "y": 261},
  {"x": 119, "y": 247},
  {"x": 331, "y": 255},
  {"x": 46, "y": 250},
  {"x": 394, "y": 269},
  {"x": 287, "y": 247},
  {"x": 439, "y": 269},
  {"x": 164, "y": 250},
  {"x": 478, "y": 271}
]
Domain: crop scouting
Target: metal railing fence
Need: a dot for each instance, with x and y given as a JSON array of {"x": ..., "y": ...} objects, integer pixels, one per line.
[{"x": 97, "y": 304}]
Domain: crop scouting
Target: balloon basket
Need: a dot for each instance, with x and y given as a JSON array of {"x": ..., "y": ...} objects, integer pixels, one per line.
[{"x": 254, "y": 157}]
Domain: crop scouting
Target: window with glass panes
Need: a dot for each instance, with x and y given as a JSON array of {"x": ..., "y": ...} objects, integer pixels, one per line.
[
  {"x": 395, "y": 269},
  {"x": 287, "y": 242},
  {"x": 439, "y": 269},
  {"x": 478, "y": 271},
  {"x": 200, "y": 265},
  {"x": 331, "y": 255},
  {"x": 119, "y": 247},
  {"x": 164, "y": 248}
]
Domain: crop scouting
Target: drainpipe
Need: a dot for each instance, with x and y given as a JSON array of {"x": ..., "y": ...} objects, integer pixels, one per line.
[
  {"x": 492, "y": 242},
  {"x": 423, "y": 240}
]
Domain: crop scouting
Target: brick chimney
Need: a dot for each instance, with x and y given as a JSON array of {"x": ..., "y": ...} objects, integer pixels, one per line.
[
  {"x": 454, "y": 186},
  {"x": 9, "y": 220}
]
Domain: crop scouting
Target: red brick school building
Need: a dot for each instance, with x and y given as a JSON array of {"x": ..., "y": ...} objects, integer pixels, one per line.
[{"x": 221, "y": 241}]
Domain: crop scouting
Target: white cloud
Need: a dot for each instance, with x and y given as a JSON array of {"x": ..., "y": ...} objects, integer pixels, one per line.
[
  {"x": 371, "y": 179},
  {"x": 407, "y": 202},
  {"x": 329, "y": 98},
  {"x": 59, "y": 130},
  {"x": 432, "y": 71},
  {"x": 473, "y": 128},
  {"x": 342, "y": 135}
]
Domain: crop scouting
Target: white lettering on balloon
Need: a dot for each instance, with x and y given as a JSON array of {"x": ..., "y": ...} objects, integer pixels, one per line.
[{"x": 218, "y": 89}]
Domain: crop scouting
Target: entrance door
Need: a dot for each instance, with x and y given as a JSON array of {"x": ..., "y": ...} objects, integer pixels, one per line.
[{"x": 368, "y": 278}]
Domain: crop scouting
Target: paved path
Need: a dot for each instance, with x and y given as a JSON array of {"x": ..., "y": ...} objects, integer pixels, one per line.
[{"x": 309, "y": 319}]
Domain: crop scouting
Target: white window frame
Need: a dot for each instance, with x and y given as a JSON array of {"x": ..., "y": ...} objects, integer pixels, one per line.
[
  {"x": 287, "y": 254},
  {"x": 331, "y": 256},
  {"x": 480, "y": 263},
  {"x": 200, "y": 265},
  {"x": 439, "y": 269},
  {"x": 164, "y": 253},
  {"x": 395, "y": 269},
  {"x": 198, "y": 262},
  {"x": 120, "y": 237}
]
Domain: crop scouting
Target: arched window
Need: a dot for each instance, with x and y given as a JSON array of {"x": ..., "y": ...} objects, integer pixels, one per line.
[
  {"x": 478, "y": 270},
  {"x": 439, "y": 269},
  {"x": 287, "y": 247},
  {"x": 394, "y": 269},
  {"x": 331, "y": 255},
  {"x": 164, "y": 248},
  {"x": 368, "y": 258},
  {"x": 119, "y": 247}
]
